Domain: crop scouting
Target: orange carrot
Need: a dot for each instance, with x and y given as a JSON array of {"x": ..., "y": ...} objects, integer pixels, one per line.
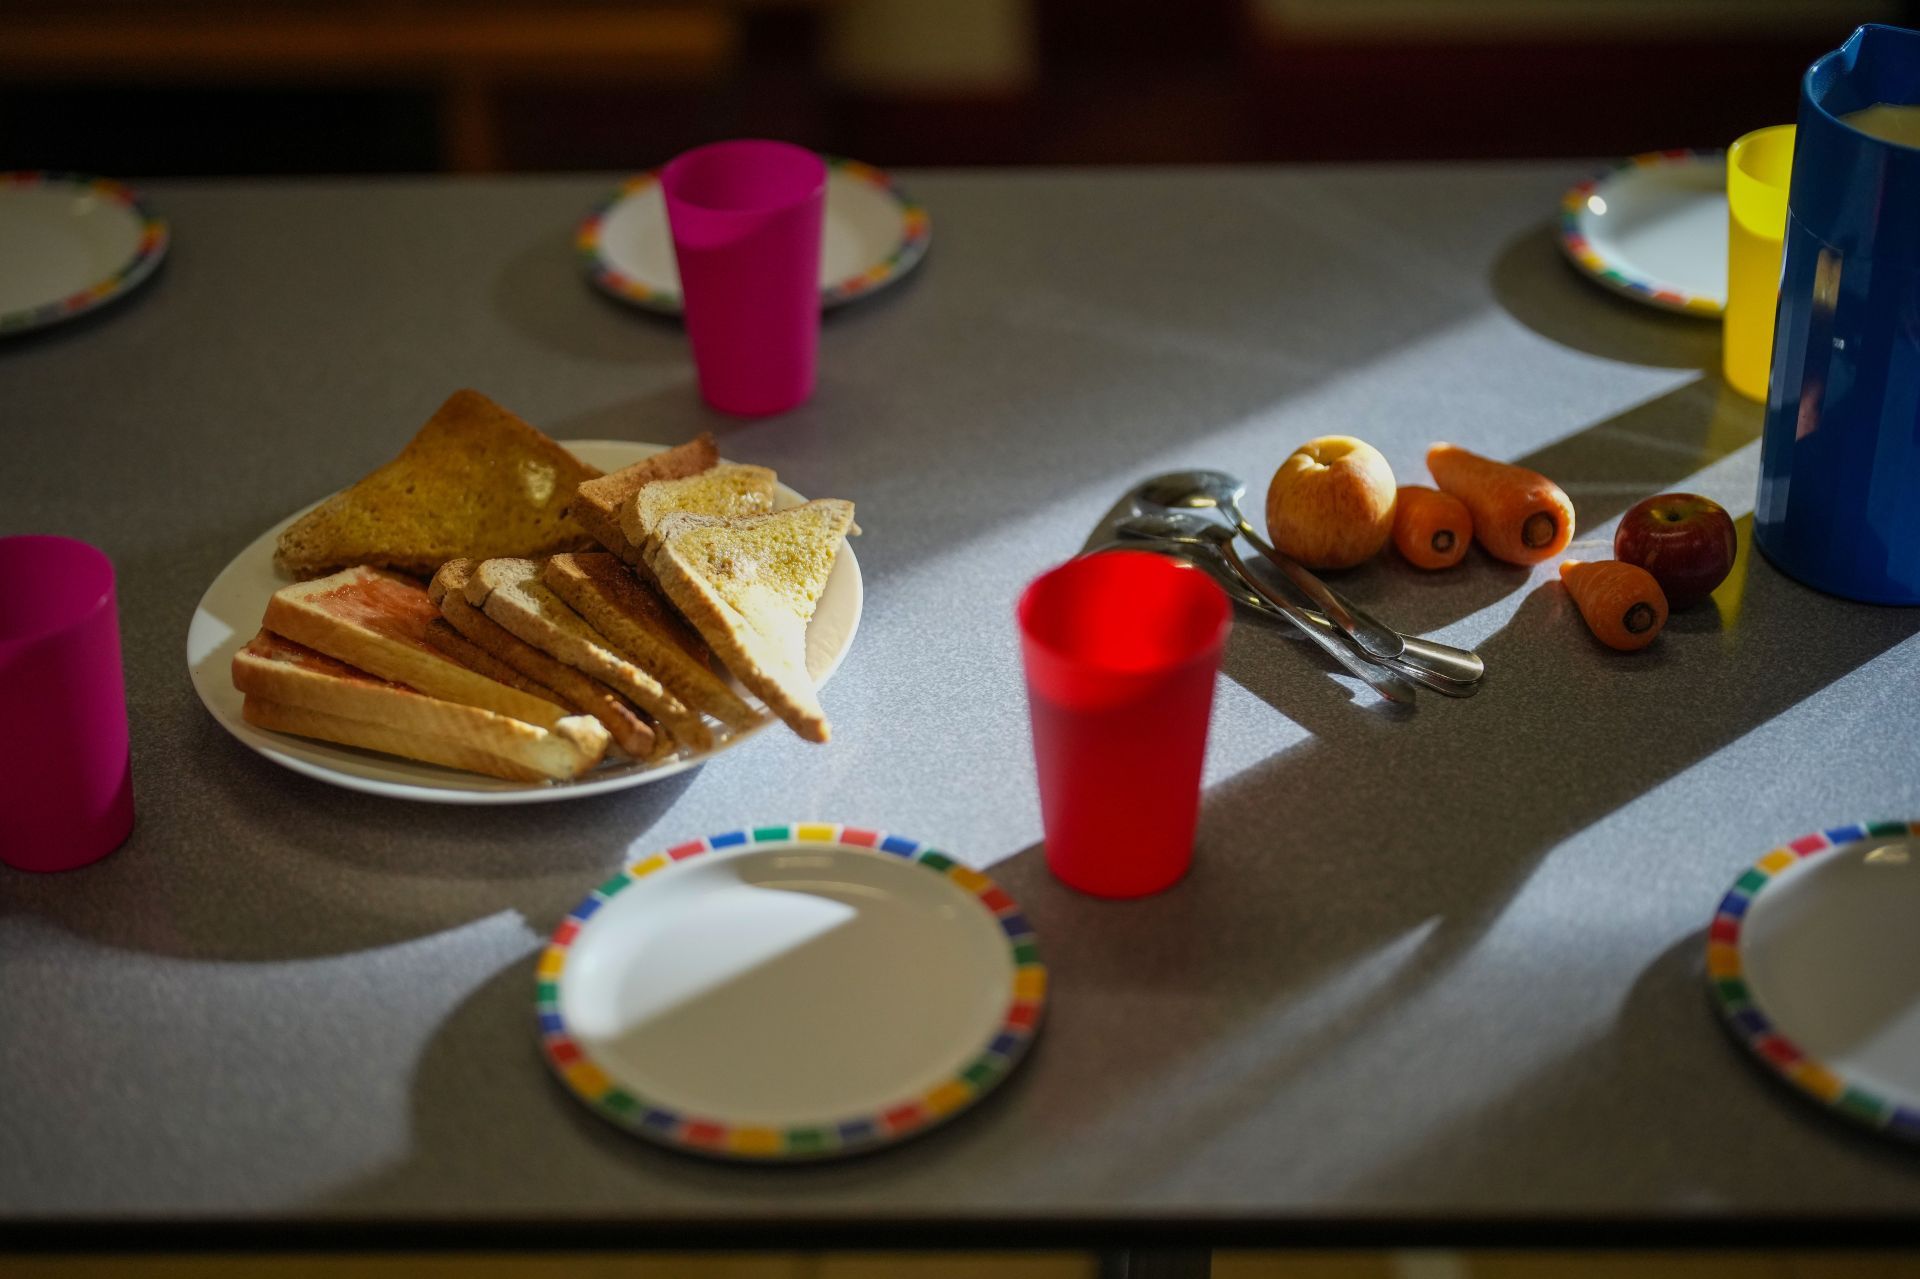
[
  {"x": 1623, "y": 605},
  {"x": 1520, "y": 516},
  {"x": 1431, "y": 529}
]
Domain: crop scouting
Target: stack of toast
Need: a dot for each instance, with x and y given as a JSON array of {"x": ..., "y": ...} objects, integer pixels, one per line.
[{"x": 491, "y": 603}]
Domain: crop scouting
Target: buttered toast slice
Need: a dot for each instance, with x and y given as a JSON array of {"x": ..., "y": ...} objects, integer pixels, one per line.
[
  {"x": 640, "y": 625},
  {"x": 377, "y": 621},
  {"x": 631, "y": 732},
  {"x": 293, "y": 689},
  {"x": 511, "y": 593},
  {"x": 600, "y": 500},
  {"x": 727, "y": 490},
  {"x": 749, "y": 586}
]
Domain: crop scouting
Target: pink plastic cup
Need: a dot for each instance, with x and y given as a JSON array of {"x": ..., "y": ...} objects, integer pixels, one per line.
[
  {"x": 66, "y": 783},
  {"x": 1121, "y": 651},
  {"x": 746, "y": 220}
]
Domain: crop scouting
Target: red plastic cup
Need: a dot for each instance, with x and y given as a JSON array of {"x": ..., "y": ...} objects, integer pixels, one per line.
[
  {"x": 66, "y": 782},
  {"x": 746, "y": 219},
  {"x": 1121, "y": 650}
]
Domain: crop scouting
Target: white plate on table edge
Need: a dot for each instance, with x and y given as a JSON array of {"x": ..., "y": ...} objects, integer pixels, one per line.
[
  {"x": 1678, "y": 260},
  {"x": 1814, "y": 962},
  {"x": 83, "y": 241},
  {"x": 873, "y": 235},
  {"x": 789, "y": 992},
  {"x": 229, "y": 615}
]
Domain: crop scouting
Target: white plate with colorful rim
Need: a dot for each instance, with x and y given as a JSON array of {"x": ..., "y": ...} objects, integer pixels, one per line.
[
  {"x": 873, "y": 235},
  {"x": 1654, "y": 228},
  {"x": 785, "y": 993},
  {"x": 70, "y": 243},
  {"x": 1814, "y": 960},
  {"x": 229, "y": 615}
]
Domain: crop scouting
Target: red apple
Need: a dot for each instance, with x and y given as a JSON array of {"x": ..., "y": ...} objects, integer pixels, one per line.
[{"x": 1686, "y": 541}]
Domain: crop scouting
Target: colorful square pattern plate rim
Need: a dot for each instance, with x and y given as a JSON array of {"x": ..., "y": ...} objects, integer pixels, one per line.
[
  {"x": 147, "y": 236},
  {"x": 888, "y": 1119},
  {"x": 230, "y": 611},
  {"x": 1728, "y": 977},
  {"x": 1579, "y": 215},
  {"x": 883, "y": 259}
]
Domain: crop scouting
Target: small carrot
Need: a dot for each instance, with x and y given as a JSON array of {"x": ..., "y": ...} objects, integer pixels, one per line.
[
  {"x": 1432, "y": 529},
  {"x": 1520, "y": 516},
  {"x": 1623, "y": 605}
]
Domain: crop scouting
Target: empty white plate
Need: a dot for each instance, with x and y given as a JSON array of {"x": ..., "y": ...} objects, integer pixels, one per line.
[
  {"x": 789, "y": 992},
  {"x": 1654, "y": 229},
  {"x": 873, "y": 235},
  {"x": 1815, "y": 960},
  {"x": 68, "y": 244}
]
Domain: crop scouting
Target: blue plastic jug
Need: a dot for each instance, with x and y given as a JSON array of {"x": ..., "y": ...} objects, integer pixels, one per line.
[{"x": 1839, "y": 500}]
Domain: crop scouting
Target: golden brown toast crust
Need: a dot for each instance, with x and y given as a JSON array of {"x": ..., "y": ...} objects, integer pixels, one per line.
[
  {"x": 299, "y": 690},
  {"x": 475, "y": 481},
  {"x": 642, "y": 627},
  {"x": 509, "y": 591},
  {"x": 600, "y": 500},
  {"x": 631, "y": 731},
  {"x": 507, "y": 764},
  {"x": 441, "y": 635}
]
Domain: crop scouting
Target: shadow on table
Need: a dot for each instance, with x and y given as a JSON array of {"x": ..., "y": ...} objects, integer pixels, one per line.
[
  {"x": 1650, "y": 1069},
  {"x": 793, "y": 444},
  {"x": 1399, "y": 843},
  {"x": 669, "y": 416},
  {"x": 1390, "y": 851},
  {"x": 544, "y": 293},
  {"x": 1535, "y": 284},
  {"x": 487, "y": 1112},
  {"x": 1410, "y": 835},
  {"x": 1368, "y": 862},
  {"x": 290, "y": 867}
]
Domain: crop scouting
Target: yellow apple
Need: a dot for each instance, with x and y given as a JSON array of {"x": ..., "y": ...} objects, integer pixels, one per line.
[{"x": 1331, "y": 502}]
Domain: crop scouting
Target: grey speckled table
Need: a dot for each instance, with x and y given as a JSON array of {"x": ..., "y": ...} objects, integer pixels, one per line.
[{"x": 1433, "y": 976}]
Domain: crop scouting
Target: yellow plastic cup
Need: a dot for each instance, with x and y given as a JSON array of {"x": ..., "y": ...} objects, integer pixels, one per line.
[{"x": 1759, "y": 166}]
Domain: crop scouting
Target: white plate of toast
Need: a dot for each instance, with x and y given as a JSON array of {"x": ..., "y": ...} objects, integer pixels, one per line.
[{"x": 314, "y": 675}]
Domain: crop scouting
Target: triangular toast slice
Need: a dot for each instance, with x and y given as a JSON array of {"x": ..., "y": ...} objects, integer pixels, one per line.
[
  {"x": 510, "y": 592},
  {"x": 642, "y": 626},
  {"x": 476, "y": 481},
  {"x": 749, "y": 586},
  {"x": 600, "y": 500},
  {"x": 727, "y": 490}
]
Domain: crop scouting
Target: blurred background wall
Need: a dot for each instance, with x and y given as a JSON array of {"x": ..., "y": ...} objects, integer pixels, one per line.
[{"x": 190, "y": 87}]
